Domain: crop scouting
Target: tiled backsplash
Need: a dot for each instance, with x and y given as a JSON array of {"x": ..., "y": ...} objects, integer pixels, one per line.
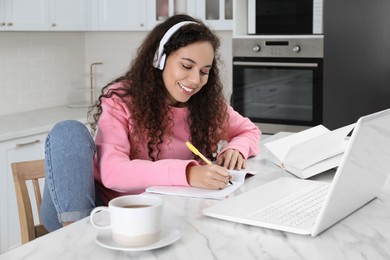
[
  {"x": 46, "y": 69},
  {"x": 115, "y": 50},
  {"x": 37, "y": 69}
]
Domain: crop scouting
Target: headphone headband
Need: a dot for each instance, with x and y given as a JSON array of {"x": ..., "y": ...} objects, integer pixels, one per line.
[{"x": 160, "y": 56}]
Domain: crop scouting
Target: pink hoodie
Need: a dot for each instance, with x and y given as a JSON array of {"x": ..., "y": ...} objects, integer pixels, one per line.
[{"x": 117, "y": 173}]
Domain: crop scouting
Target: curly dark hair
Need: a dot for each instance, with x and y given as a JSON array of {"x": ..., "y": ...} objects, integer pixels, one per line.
[{"x": 150, "y": 114}]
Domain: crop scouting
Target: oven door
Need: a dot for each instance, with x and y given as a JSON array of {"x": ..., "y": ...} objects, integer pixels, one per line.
[{"x": 278, "y": 91}]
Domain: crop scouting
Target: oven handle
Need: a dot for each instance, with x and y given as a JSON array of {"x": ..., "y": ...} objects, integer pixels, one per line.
[{"x": 275, "y": 64}]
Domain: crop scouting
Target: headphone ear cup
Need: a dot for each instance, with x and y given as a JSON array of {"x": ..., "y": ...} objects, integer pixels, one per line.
[
  {"x": 162, "y": 61},
  {"x": 156, "y": 60}
]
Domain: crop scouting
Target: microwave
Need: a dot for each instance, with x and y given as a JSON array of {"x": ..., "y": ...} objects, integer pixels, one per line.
[{"x": 285, "y": 17}]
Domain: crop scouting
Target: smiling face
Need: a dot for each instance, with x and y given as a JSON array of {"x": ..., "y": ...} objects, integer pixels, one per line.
[{"x": 186, "y": 72}]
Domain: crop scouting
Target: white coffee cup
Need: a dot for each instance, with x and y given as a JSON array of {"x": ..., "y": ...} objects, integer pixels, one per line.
[{"x": 135, "y": 220}]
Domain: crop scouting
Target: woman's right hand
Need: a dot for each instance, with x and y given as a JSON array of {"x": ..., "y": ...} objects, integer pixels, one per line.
[{"x": 209, "y": 176}]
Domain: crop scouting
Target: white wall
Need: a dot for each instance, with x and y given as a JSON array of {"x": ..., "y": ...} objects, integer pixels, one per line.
[{"x": 46, "y": 69}]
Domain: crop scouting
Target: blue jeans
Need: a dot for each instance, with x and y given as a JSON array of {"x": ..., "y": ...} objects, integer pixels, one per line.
[{"x": 69, "y": 191}]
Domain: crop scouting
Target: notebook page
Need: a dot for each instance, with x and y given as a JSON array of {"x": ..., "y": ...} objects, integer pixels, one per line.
[{"x": 238, "y": 179}]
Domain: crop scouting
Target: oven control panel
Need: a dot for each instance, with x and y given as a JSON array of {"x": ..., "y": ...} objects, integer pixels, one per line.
[{"x": 278, "y": 47}]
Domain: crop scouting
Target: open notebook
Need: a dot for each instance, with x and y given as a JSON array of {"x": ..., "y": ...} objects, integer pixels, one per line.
[
  {"x": 363, "y": 170},
  {"x": 238, "y": 179},
  {"x": 300, "y": 155}
]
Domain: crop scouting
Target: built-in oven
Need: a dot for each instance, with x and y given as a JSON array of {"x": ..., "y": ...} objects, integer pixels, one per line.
[{"x": 277, "y": 81}]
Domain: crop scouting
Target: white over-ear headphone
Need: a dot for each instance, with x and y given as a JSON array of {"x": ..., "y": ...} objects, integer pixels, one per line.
[{"x": 160, "y": 56}]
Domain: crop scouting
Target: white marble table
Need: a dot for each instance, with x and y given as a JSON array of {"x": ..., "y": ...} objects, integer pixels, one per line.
[{"x": 363, "y": 235}]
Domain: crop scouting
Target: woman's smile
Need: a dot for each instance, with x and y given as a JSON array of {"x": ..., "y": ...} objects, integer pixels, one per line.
[{"x": 186, "y": 89}]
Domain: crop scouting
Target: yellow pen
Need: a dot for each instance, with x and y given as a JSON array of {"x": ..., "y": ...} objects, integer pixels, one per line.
[{"x": 196, "y": 152}]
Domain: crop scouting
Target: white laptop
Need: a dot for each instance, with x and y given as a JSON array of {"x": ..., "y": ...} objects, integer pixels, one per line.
[{"x": 364, "y": 168}]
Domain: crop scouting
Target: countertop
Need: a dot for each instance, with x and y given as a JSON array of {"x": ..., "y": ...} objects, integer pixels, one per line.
[
  {"x": 38, "y": 121},
  {"x": 362, "y": 235}
]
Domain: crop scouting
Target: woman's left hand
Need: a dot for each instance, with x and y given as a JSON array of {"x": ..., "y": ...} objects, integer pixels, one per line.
[{"x": 231, "y": 159}]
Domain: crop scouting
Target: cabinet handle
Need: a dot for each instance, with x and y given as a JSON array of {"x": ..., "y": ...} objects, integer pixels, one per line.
[
  {"x": 10, "y": 24},
  {"x": 28, "y": 143},
  {"x": 53, "y": 25},
  {"x": 2, "y": 24}
]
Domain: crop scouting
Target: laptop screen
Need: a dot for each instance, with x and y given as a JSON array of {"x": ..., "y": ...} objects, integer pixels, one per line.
[{"x": 362, "y": 172}]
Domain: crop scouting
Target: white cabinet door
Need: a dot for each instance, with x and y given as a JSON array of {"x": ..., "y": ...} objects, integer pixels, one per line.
[
  {"x": 69, "y": 15},
  {"x": 23, "y": 15},
  {"x": 159, "y": 10},
  {"x": 21, "y": 149},
  {"x": 119, "y": 15},
  {"x": 218, "y": 14},
  {"x": 3, "y": 22}
]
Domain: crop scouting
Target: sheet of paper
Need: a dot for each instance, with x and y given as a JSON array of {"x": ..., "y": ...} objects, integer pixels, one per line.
[{"x": 238, "y": 179}]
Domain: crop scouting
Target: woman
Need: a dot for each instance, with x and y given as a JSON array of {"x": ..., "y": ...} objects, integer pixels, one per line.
[{"x": 171, "y": 93}]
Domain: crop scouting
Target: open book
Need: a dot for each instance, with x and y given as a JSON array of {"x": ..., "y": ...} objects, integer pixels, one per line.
[
  {"x": 311, "y": 151},
  {"x": 238, "y": 179}
]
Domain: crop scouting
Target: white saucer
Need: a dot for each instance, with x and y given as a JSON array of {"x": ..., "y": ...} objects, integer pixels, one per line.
[{"x": 168, "y": 236}]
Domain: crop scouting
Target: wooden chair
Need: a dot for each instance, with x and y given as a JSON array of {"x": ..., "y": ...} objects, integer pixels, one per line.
[{"x": 23, "y": 172}]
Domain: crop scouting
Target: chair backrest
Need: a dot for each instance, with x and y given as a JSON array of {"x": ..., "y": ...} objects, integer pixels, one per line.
[{"x": 23, "y": 172}]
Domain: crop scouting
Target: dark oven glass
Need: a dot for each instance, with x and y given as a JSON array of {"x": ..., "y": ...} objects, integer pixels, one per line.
[
  {"x": 284, "y": 17},
  {"x": 280, "y": 91}
]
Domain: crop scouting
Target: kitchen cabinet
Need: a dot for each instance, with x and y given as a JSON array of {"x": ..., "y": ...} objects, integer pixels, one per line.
[
  {"x": 119, "y": 15},
  {"x": 69, "y": 15},
  {"x": 17, "y": 15},
  {"x": 3, "y": 21},
  {"x": 240, "y": 25},
  {"x": 19, "y": 149},
  {"x": 159, "y": 10},
  {"x": 108, "y": 15},
  {"x": 218, "y": 14},
  {"x": 43, "y": 15}
]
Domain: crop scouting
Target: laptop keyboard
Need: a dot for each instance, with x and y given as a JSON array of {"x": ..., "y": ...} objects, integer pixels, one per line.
[{"x": 296, "y": 208}]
